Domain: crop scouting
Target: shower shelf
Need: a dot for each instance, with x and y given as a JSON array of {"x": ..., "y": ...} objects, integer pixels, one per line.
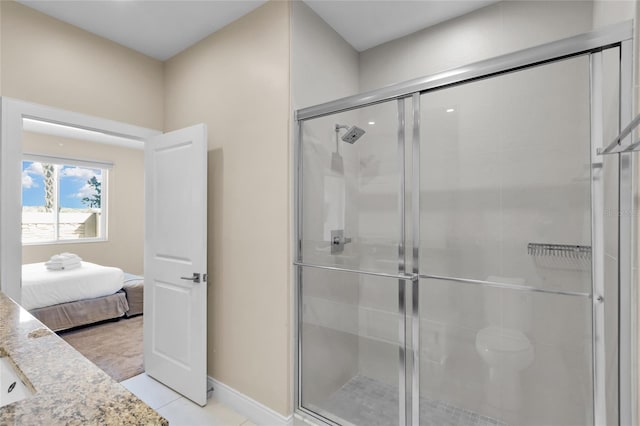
[{"x": 559, "y": 250}]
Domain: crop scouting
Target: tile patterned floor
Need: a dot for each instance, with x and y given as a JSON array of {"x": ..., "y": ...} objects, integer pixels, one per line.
[
  {"x": 365, "y": 401},
  {"x": 361, "y": 401},
  {"x": 179, "y": 410}
]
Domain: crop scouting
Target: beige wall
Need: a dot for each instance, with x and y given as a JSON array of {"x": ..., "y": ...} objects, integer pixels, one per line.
[
  {"x": 125, "y": 204},
  {"x": 50, "y": 62},
  {"x": 237, "y": 82},
  {"x": 53, "y": 63}
]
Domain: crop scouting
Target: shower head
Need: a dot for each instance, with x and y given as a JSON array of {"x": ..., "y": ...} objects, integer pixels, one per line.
[{"x": 353, "y": 133}]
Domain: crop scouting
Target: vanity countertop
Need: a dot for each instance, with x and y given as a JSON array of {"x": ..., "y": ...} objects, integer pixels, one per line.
[{"x": 69, "y": 389}]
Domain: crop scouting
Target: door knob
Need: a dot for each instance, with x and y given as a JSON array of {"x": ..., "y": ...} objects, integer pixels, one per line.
[{"x": 195, "y": 278}]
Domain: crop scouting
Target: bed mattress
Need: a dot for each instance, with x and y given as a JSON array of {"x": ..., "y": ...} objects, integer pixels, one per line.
[{"x": 42, "y": 287}]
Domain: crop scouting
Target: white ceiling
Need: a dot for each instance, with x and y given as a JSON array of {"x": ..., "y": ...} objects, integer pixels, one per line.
[
  {"x": 161, "y": 29},
  {"x": 365, "y": 24}
]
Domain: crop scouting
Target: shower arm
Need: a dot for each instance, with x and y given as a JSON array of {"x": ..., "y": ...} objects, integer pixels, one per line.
[{"x": 338, "y": 127}]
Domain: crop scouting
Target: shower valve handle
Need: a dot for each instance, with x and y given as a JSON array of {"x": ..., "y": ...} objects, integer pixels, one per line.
[
  {"x": 341, "y": 241},
  {"x": 338, "y": 240}
]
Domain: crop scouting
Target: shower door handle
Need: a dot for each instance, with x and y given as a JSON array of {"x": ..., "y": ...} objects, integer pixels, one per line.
[{"x": 338, "y": 240}]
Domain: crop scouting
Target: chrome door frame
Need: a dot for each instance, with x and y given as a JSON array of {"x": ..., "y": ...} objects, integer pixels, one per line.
[
  {"x": 588, "y": 43},
  {"x": 581, "y": 44},
  {"x": 627, "y": 294}
]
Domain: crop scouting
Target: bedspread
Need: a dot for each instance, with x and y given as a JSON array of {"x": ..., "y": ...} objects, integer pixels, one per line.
[{"x": 42, "y": 287}]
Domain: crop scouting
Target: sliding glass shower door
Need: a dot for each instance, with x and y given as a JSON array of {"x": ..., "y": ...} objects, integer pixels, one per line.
[
  {"x": 505, "y": 255},
  {"x": 459, "y": 255},
  {"x": 351, "y": 226}
]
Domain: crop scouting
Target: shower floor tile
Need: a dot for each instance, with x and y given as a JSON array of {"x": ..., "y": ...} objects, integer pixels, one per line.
[{"x": 365, "y": 401}]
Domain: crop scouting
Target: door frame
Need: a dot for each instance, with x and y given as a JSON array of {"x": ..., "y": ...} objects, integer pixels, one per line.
[
  {"x": 618, "y": 34},
  {"x": 12, "y": 112}
]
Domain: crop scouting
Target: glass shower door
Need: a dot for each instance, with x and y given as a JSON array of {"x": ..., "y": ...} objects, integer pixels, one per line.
[
  {"x": 351, "y": 315},
  {"x": 481, "y": 275},
  {"x": 505, "y": 307}
]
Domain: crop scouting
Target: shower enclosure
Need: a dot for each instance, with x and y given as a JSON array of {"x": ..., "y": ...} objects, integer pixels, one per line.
[{"x": 459, "y": 258}]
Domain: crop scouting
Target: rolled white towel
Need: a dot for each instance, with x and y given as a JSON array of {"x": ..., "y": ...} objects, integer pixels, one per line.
[
  {"x": 65, "y": 257},
  {"x": 55, "y": 266},
  {"x": 70, "y": 255},
  {"x": 63, "y": 262}
]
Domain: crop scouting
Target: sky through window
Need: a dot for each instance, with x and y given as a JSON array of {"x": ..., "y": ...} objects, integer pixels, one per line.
[{"x": 73, "y": 184}]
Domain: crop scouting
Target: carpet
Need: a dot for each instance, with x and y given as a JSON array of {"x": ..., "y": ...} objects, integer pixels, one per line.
[{"x": 114, "y": 346}]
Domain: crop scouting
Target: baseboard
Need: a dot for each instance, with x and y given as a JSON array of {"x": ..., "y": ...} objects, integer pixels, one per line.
[{"x": 256, "y": 412}]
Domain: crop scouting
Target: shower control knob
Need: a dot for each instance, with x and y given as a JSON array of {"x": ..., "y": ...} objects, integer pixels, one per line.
[{"x": 338, "y": 240}]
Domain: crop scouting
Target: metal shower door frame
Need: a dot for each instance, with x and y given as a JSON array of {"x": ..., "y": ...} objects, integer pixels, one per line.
[
  {"x": 627, "y": 295},
  {"x": 591, "y": 43}
]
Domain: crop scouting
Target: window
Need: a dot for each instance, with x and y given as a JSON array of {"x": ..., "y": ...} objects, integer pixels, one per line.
[{"x": 63, "y": 200}]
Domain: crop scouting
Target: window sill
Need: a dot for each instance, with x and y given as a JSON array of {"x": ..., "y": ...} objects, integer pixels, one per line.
[{"x": 78, "y": 241}]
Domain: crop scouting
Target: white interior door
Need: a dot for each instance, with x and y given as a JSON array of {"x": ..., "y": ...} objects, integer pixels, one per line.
[{"x": 175, "y": 261}]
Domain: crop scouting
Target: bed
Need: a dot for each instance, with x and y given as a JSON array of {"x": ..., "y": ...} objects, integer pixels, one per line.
[
  {"x": 133, "y": 287},
  {"x": 70, "y": 298}
]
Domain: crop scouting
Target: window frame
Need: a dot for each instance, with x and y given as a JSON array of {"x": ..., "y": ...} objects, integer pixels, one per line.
[{"x": 105, "y": 168}]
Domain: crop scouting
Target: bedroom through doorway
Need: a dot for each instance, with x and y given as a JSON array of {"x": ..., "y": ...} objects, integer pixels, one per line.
[
  {"x": 82, "y": 236},
  {"x": 161, "y": 229}
]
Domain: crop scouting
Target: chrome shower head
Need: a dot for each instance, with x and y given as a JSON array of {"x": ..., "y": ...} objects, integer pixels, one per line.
[{"x": 353, "y": 134}]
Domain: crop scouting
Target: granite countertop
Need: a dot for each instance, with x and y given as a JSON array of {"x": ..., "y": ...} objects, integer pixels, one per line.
[{"x": 69, "y": 389}]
